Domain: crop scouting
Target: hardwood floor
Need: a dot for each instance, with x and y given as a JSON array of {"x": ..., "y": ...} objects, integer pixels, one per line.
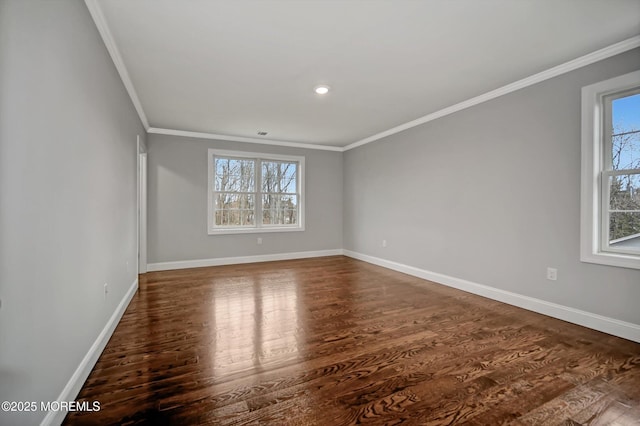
[{"x": 336, "y": 341}]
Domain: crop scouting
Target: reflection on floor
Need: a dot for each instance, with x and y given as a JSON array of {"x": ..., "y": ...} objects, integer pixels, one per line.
[{"x": 336, "y": 341}]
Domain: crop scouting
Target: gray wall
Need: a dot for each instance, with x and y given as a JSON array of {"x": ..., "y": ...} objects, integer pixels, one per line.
[
  {"x": 68, "y": 189},
  {"x": 177, "y": 203},
  {"x": 491, "y": 194}
]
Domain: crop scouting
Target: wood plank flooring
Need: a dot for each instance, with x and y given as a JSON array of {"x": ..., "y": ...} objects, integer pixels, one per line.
[{"x": 336, "y": 341}]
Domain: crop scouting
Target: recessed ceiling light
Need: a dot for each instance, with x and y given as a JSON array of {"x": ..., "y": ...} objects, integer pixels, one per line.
[{"x": 321, "y": 90}]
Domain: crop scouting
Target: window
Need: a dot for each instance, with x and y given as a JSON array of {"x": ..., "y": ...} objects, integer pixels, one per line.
[
  {"x": 610, "y": 222},
  {"x": 250, "y": 192}
]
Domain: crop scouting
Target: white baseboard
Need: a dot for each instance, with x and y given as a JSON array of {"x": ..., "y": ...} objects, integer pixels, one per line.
[
  {"x": 71, "y": 390},
  {"x": 608, "y": 325},
  {"x": 199, "y": 263}
]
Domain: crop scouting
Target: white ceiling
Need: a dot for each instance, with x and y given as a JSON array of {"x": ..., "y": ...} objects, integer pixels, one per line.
[{"x": 235, "y": 67}]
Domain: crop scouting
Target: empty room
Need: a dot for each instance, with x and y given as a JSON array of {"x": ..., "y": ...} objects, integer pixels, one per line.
[{"x": 319, "y": 212}]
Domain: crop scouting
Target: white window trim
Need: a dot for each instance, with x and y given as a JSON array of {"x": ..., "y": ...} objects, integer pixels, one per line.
[
  {"x": 592, "y": 166},
  {"x": 213, "y": 230}
]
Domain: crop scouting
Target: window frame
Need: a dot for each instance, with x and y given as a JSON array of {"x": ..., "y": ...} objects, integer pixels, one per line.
[
  {"x": 596, "y": 139},
  {"x": 259, "y": 227}
]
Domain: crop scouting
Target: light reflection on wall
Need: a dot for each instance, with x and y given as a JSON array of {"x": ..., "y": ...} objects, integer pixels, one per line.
[{"x": 257, "y": 322}]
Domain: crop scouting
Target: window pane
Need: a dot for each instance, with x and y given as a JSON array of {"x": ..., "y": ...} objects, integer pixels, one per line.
[
  {"x": 625, "y": 139},
  {"x": 624, "y": 229},
  {"x": 234, "y": 175},
  {"x": 280, "y": 217},
  {"x": 276, "y": 201},
  {"x": 235, "y": 218},
  {"x": 279, "y": 209},
  {"x": 624, "y": 215},
  {"x": 233, "y": 201},
  {"x": 624, "y": 192},
  {"x": 278, "y": 177},
  {"x": 248, "y": 217}
]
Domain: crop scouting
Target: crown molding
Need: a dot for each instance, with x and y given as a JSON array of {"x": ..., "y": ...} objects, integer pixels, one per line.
[
  {"x": 564, "y": 68},
  {"x": 582, "y": 61},
  {"x": 116, "y": 57},
  {"x": 213, "y": 136}
]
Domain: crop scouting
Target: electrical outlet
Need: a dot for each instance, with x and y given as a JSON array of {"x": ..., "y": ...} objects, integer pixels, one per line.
[
  {"x": 259, "y": 241},
  {"x": 384, "y": 243},
  {"x": 552, "y": 274},
  {"x": 106, "y": 290}
]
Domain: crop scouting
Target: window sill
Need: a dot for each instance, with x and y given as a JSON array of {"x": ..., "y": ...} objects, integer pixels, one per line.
[
  {"x": 612, "y": 259},
  {"x": 227, "y": 231}
]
